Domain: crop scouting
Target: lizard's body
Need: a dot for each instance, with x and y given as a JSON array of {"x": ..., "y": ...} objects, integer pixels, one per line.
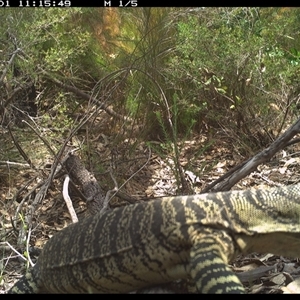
[{"x": 170, "y": 238}]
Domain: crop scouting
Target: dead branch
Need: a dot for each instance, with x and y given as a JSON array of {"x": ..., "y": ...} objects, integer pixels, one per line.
[
  {"x": 263, "y": 156},
  {"x": 83, "y": 95}
]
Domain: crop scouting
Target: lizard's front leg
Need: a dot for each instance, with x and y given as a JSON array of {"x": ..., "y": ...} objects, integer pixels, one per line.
[{"x": 209, "y": 270}]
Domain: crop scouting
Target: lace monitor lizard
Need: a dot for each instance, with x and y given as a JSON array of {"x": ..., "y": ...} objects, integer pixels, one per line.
[{"x": 159, "y": 241}]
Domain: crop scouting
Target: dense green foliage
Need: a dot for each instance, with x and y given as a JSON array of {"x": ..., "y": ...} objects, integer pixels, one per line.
[
  {"x": 238, "y": 66},
  {"x": 204, "y": 69}
]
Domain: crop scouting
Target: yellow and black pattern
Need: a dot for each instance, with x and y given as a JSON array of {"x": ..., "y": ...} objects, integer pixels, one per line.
[{"x": 166, "y": 239}]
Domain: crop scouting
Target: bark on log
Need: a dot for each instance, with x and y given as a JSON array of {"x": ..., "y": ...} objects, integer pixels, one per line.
[{"x": 93, "y": 192}]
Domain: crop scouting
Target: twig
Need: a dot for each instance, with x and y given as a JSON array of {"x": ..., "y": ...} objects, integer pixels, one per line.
[
  {"x": 21, "y": 151},
  {"x": 185, "y": 186},
  {"x": 13, "y": 249},
  {"x": 9, "y": 63},
  {"x": 40, "y": 136},
  {"x": 14, "y": 164},
  {"x": 68, "y": 200},
  {"x": 29, "y": 261},
  {"x": 101, "y": 105},
  {"x": 140, "y": 169},
  {"x": 107, "y": 196},
  {"x": 18, "y": 209}
]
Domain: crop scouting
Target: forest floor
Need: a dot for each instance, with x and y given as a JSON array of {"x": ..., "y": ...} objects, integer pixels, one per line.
[{"x": 142, "y": 174}]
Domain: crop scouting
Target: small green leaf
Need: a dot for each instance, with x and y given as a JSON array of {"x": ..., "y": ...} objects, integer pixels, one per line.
[{"x": 221, "y": 91}]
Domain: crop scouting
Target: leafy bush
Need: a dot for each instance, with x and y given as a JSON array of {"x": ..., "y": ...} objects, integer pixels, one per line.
[{"x": 233, "y": 65}]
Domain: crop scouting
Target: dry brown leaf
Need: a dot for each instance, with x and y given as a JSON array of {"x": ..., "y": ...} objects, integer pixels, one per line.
[
  {"x": 267, "y": 257},
  {"x": 278, "y": 279},
  {"x": 292, "y": 288},
  {"x": 289, "y": 268},
  {"x": 282, "y": 170},
  {"x": 291, "y": 161},
  {"x": 254, "y": 274}
]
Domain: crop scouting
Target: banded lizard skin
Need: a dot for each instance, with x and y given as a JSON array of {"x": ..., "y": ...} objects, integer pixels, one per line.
[{"x": 160, "y": 241}]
